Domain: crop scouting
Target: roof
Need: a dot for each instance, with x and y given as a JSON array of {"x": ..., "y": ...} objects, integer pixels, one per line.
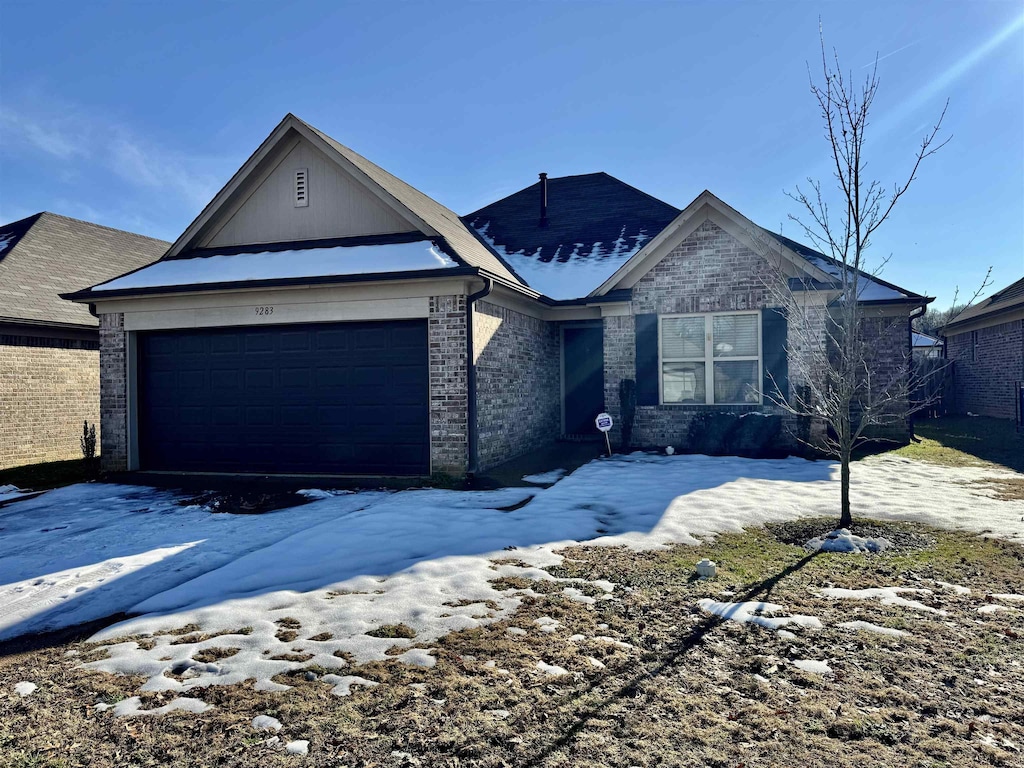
[
  {"x": 47, "y": 254},
  {"x": 1009, "y": 298},
  {"x": 287, "y": 261},
  {"x": 595, "y": 223},
  {"x": 923, "y": 340},
  {"x": 870, "y": 288}
]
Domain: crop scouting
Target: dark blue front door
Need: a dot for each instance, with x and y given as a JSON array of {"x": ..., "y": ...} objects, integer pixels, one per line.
[
  {"x": 583, "y": 359},
  {"x": 331, "y": 398}
]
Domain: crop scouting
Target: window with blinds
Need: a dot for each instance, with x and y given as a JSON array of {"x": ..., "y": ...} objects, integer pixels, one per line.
[{"x": 710, "y": 359}]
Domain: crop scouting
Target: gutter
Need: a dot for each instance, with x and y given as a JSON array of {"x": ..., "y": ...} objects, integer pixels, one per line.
[{"x": 472, "y": 440}]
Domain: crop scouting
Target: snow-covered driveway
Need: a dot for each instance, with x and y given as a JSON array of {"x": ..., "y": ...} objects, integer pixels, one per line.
[{"x": 307, "y": 583}]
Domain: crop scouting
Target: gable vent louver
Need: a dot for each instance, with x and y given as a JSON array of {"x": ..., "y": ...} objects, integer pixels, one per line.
[{"x": 301, "y": 188}]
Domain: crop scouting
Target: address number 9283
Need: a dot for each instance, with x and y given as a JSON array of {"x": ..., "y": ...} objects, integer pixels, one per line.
[{"x": 263, "y": 310}]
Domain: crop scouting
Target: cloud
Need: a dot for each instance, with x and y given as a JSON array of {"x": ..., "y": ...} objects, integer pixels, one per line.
[
  {"x": 86, "y": 144},
  {"x": 47, "y": 136}
]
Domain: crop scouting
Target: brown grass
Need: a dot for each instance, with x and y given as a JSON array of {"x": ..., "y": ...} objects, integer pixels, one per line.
[{"x": 690, "y": 689}]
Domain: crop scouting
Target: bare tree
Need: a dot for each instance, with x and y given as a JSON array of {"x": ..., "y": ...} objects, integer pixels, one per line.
[{"x": 836, "y": 382}]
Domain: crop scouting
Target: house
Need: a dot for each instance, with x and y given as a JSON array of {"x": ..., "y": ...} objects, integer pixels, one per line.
[
  {"x": 49, "y": 358},
  {"x": 323, "y": 316},
  {"x": 925, "y": 347},
  {"x": 986, "y": 343}
]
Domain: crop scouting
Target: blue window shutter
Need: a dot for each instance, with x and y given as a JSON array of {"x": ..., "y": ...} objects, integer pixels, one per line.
[
  {"x": 773, "y": 350},
  {"x": 647, "y": 360}
]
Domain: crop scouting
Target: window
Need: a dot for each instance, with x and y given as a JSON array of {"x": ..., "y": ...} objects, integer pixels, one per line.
[
  {"x": 974, "y": 346},
  {"x": 710, "y": 359}
]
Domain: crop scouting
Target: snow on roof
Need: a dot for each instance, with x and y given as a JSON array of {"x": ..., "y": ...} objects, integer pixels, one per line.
[
  {"x": 924, "y": 340},
  {"x": 570, "y": 273},
  {"x": 272, "y": 265},
  {"x": 869, "y": 288}
]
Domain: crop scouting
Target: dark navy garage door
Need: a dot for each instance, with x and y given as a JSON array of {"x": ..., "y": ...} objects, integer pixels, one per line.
[{"x": 342, "y": 398}]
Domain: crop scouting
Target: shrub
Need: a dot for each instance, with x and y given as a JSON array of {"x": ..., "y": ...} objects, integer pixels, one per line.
[{"x": 88, "y": 441}]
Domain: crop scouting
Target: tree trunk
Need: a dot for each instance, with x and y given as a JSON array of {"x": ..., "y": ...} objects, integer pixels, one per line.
[{"x": 845, "y": 516}]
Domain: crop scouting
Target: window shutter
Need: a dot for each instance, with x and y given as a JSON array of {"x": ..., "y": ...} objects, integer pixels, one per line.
[
  {"x": 647, "y": 360},
  {"x": 773, "y": 351}
]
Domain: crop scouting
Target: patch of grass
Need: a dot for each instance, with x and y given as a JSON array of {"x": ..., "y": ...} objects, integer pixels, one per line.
[
  {"x": 216, "y": 653},
  {"x": 967, "y": 441},
  {"x": 52, "y": 474},
  {"x": 393, "y": 631}
]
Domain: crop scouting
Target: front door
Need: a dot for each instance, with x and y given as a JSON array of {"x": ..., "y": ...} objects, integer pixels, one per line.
[{"x": 583, "y": 374}]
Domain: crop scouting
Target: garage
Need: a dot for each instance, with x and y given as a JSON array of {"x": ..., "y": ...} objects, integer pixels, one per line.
[{"x": 318, "y": 398}]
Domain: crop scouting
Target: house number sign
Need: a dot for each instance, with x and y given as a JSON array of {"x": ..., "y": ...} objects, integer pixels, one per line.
[{"x": 263, "y": 310}]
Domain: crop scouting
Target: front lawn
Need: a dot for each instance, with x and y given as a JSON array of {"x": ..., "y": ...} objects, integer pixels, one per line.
[
  {"x": 645, "y": 678},
  {"x": 523, "y": 626},
  {"x": 967, "y": 441}
]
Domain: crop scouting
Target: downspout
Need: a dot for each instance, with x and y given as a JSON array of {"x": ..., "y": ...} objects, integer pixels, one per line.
[{"x": 471, "y": 430}]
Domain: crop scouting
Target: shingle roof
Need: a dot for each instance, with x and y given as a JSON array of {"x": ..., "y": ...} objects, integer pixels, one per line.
[
  {"x": 47, "y": 254},
  {"x": 870, "y": 288},
  {"x": 593, "y": 221},
  {"x": 1010, "y": 297},
  {"x": 465, "y": 244}
]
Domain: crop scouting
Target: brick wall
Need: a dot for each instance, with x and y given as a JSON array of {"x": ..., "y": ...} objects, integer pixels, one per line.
[
  {"x": 888, "y": 353},
  {"x": 518, "y": 375},
  {"x": 48, "y": 387},
  {"x": 113, "y": 393},
  {"x": 446, "y": 332},
  {"x": 710, "y": 271},
  {"x": 985, "y": 387}
]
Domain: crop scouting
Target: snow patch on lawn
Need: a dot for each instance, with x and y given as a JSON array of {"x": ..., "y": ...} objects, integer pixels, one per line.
[
  {"x": 343, "y": 684},
  {"x": 25, "y": 688},
  {"x": 841, "y": 540},
  {"x": 867, "y": 626},
  {"x": 757, "y": 613},
  {"x": 815, "y": 667},
  {"x": 299, "y": 747},
  {"x": 266, "y": 723},
  {"x": 884, "y": 595},
  {"x": 551, "y": 669},
  {"x": 132, "y": 707}
]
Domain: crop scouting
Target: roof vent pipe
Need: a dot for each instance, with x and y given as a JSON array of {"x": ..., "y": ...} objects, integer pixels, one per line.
[{"x": 543, "y": 199}]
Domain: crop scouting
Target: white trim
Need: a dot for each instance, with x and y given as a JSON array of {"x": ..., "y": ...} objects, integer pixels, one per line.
[
  {"x": 703, "y": 208},
  {"x": 132, "y": 400},
  {"x": 708, "y": 361}
]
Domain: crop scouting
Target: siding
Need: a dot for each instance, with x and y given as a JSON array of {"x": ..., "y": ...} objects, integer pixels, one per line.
[{"x": 338, "y": 206}]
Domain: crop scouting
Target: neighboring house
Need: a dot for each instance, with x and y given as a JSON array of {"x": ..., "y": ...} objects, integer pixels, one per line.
[
  {"x": 925, "y": 347},
  {"x": 986, "y": 342},
  {"x": 49, "y": 363},
  {"x": 323, "y": 316}
]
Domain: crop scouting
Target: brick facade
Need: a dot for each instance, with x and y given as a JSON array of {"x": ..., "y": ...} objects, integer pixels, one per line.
[
  {"x": 711, "y": 271},
  {"x": 113, "y": 393},
  {"x": 890, "y": 359},
  {"x": 446, "y": 334},
  {"x": 985, "y": 386},
  {"x": 518, "y": 375},
  {"x": 48, "y": 387}
]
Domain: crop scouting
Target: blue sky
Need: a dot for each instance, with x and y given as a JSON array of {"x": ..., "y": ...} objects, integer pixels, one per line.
[{"x": 134, "y": 114}]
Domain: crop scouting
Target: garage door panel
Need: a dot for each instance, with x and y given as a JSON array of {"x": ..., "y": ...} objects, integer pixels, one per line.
[{"x": 345, "y": 398}]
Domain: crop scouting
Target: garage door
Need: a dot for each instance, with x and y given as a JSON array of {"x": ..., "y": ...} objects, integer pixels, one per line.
[{"x": 343, "y": 398}]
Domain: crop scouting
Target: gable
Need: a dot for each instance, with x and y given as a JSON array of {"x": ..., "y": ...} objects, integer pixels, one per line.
[{"x": 337, "y": 205}]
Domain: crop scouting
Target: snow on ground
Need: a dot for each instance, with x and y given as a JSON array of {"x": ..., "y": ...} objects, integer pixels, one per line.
[
  {"x": 757, "y": 613},
  {"x": 266, "y": 723},
  {"x": 132, "y": 707},
  {"x": 867, "y": 626},
  {"x": 88, "y": 551},
  {"x": 884, "y": 595},
  {"x": 841, "y": 540},
  {"x": 810, "y": 665},
  {"x": 25, "y": 688},
  {"x": 314, "y": 579},
  {"x": 545, "y": 478}
]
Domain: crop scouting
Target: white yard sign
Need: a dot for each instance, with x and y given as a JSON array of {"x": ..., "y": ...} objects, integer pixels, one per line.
[{"x": 604, "y": 424}]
